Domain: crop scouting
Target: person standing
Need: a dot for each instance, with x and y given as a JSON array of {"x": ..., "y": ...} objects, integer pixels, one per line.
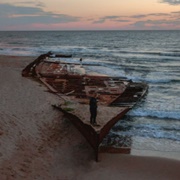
[
  {"x": 93, "y": 109},
  {"x": 80, "y": 61}
]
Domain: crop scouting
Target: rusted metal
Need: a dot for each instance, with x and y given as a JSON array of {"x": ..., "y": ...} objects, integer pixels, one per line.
[
  {"x": 105, "y": 130},
  {"x": 92, "y": 136},
  {"x": 116, "y": 95}
]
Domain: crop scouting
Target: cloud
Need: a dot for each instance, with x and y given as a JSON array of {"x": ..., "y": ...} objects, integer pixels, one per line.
[
  {"x": 99, "y": 21},
  {"x": 156, "y": 24},
  {"x": 7, "y": 10},
  {"x": 139, "y": 21},
  {"x": 171, "y": 2},
  {"x": 128, "y": 18},
  {"x": 157, "y": 21},
  {"x": 122, "y": 20},
  {"x": 22, "y": 15},
  {"x": 177, "y": 14},
  {"x": 111, "y": 18},
  {"x": 139, "y": 16},
  {"x": 31, "y": 13},
  {"x": 35, "y": 3}
]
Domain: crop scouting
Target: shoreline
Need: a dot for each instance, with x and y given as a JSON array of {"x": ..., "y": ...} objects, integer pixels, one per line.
[
  {"x": 37, "y": 141},
  {"x": 158, "y": 154}
]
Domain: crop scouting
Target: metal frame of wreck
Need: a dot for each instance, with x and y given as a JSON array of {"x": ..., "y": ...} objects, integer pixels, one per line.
[{"x": 94, "y": 137}]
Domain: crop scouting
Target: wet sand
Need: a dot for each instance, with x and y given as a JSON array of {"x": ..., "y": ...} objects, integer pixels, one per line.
[{"x": 38, "y": 142}]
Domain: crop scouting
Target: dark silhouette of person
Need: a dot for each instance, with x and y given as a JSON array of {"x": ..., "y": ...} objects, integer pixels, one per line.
[
  {"x": 93, "y": 109},
  {"x": 80, "y": 61}
]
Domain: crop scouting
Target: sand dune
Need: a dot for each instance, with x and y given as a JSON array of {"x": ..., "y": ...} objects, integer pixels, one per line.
[{"x": 38, "y": 142}]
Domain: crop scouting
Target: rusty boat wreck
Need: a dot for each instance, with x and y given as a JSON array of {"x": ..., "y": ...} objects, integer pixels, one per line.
[{"x": 70, "y": 82}]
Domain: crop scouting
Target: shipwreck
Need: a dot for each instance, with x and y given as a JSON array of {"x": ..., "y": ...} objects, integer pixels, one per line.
[{"x": 69, "y": 81}]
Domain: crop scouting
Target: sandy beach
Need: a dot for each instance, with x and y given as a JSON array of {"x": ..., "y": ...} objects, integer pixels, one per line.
[{"x": 38, "y": 142}]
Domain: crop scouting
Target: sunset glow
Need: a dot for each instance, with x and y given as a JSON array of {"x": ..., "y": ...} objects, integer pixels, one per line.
[{"x": 89, "y": 15}]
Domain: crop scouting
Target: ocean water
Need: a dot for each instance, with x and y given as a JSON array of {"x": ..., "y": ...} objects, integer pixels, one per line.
[{"x": 147, "y": 56}]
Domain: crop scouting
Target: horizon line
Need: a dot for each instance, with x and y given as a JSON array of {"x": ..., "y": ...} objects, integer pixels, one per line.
[{"x": 100, "y": 30}]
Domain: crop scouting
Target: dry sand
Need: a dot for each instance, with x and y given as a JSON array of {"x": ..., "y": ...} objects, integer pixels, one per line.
[{"x": 37, "y": 142}]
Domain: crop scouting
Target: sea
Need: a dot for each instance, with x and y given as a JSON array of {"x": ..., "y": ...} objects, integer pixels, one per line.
[{"x": 152, "y": 57}]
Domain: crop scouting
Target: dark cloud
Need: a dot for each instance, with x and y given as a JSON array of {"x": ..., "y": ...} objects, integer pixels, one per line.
[
  {"x": 158, "y": 14},
  {"x": 99, "y": 21},
  {"x": 126, "y": 18},
  {"x": 22, "y": 15},
  {"x": 156, "y": 24},
  {"x": 7, "y": 9},
  {"x": 176, "y": 14},
  {"x": 111, "y": 18},
  {"x": 32, "y": 12},
  {"x": 122, "y": 20},
  {"x": 30, "y": 3},
  {"x": 171, "y": 2},
  {"x": 24, "y": 20},
  {"x": 139, "y": 16},
  {"x": 171, "y": 20},
  {"x": 156, "y": 20}
]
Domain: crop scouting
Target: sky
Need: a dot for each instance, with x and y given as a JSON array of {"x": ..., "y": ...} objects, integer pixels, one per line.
[{"x": 89, "y": 15}]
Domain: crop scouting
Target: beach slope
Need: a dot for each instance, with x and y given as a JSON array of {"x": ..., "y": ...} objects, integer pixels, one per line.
[{"x": 38, "y": 142}]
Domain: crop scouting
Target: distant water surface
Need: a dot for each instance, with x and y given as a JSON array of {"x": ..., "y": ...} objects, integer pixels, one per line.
[{"x": 149, "y": 56}]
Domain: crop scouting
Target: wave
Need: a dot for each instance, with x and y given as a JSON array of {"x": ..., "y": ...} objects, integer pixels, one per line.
[
  {"x": 147, "y": 133},
  {"x": 16, "y": 43},
  {"x": 114, "y": 70},
  {"x": 148, "y": 129},
  {"x": 159, "y": 81},
  {"x": 154, "y": 113},
  {"x": 102, "y": 51},
  {"x": 19, "y": 49},
  {"x": 143, "y": 126},
  {"x": 152, "y": 81},
  {"x": 173, "y": 54},
  {"x": 137, "y": 77}
]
